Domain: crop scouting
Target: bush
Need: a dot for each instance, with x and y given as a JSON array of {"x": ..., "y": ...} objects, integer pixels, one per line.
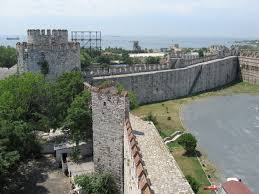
[
  {"x": 151, "y": 117},
  {"x": 189, "y": 142},
  {"x": 194, "y": 183},
  {"x": 97, "y": 183}
]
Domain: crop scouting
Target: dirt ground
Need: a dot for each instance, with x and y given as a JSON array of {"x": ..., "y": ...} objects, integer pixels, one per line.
[{"x": 41, "y": 176}]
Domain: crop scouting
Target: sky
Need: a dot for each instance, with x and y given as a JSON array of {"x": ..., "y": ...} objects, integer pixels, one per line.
[{"x": 181, "y": 18}]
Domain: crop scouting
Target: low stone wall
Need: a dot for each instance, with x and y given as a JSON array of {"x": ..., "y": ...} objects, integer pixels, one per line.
[
  {"x": 249, "y": 69},
  {"x": 135, "y": 178},
  {"x": 174, "y": 83},
  {"x": 128, "y": 69}
]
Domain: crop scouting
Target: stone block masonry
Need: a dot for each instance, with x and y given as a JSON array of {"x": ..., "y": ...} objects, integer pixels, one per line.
[
  {"x": 51, "y": 46},
  {"x": 109, "y": 111},
  {"x": 249, "y": 67},
  {"x": 175, "y": 83}
]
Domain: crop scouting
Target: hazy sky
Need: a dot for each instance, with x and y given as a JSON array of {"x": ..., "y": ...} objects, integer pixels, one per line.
[{"x": 210, "y": 18}]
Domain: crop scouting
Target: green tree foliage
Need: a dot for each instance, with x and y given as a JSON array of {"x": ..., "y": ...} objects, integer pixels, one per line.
[
  {"x": 189, "y": 142},
  {"x": 152, "y": 60},
  {"x": 126, "y": 59},
  {"x": 23, "y": 102},
  {"x": 104, "y": 60},
  {"x": 194, "y": 183},
  {"x": 133, "y": 100},
  {"x": 86, "y": 60},
  {"x": 97, "y": 183},
  {"x": 63, "y": 92},
  {"x": 44, "y": 67},
  {"x": 78, "y": 121},
  {"x": 7, "y": 56},
  {"x": 151, "y": 117}
]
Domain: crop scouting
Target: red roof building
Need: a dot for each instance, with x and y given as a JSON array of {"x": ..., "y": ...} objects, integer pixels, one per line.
[{"x": 236, "y": 187}]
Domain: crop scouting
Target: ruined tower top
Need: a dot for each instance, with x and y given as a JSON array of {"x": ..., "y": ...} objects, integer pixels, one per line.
[{"x": 42, "y": 37}]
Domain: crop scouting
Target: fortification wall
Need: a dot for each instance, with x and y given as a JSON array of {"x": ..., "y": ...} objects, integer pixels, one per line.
[
  {"x": 53, "y": 47},
  {"x": 249, "y": 67},
  {"x": 128, "y": 69},
  {"x": 109, "y": 112},
  {"x": 134, "y": 171},
  {"x": 170, "y": 84}
]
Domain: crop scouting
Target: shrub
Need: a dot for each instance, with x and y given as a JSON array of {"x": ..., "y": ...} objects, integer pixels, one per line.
[
  {"x": 133, "y": 100},
  {"x": 151, "y": 117},
  {"x": 169, "y": 118},
  {"x": 189, "y": 142},
  {"x": 97, "y": 183},
  {"x": 194, "y": 183}
]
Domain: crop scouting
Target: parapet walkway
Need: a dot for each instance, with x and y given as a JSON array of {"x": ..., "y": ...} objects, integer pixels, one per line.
[{"x": 162, "y": 169}]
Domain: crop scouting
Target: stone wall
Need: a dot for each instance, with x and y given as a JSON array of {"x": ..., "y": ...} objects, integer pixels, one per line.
[
  {"x": 53, "y": 47},
  {"x": 249, "y": 67},
  {"x": 170, "y": 84},
  {"x": 128, "y": 69},
  {"x": 134, "y": 171},
  {"x": 109, "y": 111}
]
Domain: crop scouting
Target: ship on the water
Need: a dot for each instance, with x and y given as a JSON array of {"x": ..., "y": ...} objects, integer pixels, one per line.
[{"x": 13, "y": 38}]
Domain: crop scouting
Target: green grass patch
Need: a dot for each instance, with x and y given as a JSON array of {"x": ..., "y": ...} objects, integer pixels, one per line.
[
  {"x": 168, "y": 121},
  {"x": 191, "y": 166},
  {"x": 171, "y": 109}
]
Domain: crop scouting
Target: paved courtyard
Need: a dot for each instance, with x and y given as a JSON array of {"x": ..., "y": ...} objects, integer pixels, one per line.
[
  {"x": 163, "y": 171},
  {"x": 227, "y": 129},
  {"x": 41, "y": 176}
]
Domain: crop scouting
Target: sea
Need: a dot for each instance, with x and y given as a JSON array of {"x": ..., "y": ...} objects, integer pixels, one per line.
[{"x": 149, "y": 42}]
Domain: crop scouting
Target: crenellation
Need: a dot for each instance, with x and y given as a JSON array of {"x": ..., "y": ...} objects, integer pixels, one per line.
[{"x": 53, "y": 46}]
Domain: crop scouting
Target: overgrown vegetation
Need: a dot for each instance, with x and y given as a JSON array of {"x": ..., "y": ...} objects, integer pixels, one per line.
[
  {"x": 132, "y": 96},
  {"x": 194, "y": 183},
  {"x": 29, "y": 104},
  {"x": 97, "y": 183},
  {"x": 7, "y": 56},
  {"x": 44, "y": 67},
  {"x": 189, "y": 142},
  {"x": 151, "y": 117}
]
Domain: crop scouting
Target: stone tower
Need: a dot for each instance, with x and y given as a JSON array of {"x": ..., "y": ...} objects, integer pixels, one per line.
[
  {"x": 51, "y": 47},
  {"x": 109, "y": 110}
]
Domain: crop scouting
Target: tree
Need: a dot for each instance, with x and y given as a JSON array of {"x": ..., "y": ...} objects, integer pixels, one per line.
[
  {"x": 189, "y": 142},
  {"x": 126, "y": 58},
  {"x": 78, "y": 121},
  {"x": 97, "y": 183},
  {"x": 63, "y": 92},
  {"x": 194, "y": 183},
  {"x": 7, "y": 56},
  {"x": 152, "y": 60},
  {"x": 85, "y": 59},
  {"x": 44, "y": 67}
]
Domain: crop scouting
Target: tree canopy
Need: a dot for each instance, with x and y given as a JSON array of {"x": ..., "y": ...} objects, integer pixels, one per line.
[
  {"x": 7, "y": 56},
  {"x": 28, "y": 103}
]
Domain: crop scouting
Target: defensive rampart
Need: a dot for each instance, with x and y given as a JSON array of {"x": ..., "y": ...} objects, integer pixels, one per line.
[
  {"x": 174, "y": 83},
  {"x": 249, "y": 67}
]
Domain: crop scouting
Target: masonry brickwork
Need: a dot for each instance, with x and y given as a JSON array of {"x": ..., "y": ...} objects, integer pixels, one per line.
[
  {"x": 51, "y": 46},
  {"x": 249, "y": 67},
  {"x": 109, "y": 111},
  {"x": 174, "y": 83}
]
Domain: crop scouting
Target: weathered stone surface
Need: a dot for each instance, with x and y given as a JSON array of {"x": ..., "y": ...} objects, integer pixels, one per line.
[
  {"x": 162, "y": 169},
  {"x": 109, "y": 114},
  {"x": 171, "y": 84},
  {"x": 61, "y": 55},
  {"x": 249, "y": 69}
]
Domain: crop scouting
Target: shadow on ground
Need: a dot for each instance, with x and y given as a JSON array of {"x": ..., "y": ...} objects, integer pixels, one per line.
[{"x": 41, "y": 176}]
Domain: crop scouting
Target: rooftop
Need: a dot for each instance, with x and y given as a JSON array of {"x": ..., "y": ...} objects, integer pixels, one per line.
[{"x": 236, "y": 187}]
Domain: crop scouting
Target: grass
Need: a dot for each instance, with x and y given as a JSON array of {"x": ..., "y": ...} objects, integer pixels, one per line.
[
  {"x": 172, "y": 108},
  {"x": 169, "y": 120}
]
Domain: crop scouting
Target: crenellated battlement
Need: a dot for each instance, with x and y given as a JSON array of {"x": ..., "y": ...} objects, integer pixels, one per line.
[
  {"x": 47, "y": 37},
  {"x": 51, "y": 46}
]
